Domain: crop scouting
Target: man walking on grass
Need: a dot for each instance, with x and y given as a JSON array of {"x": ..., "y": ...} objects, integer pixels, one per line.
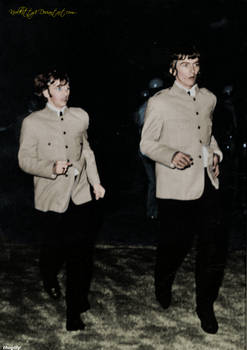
[
  {"x": 177, "y": 135},
  {"x": 54, "y": 149}
]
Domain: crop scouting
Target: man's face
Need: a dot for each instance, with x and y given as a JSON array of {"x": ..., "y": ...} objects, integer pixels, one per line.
[
  {"x": 187, "y": 71},
  {"x": 58, "y": 94}
]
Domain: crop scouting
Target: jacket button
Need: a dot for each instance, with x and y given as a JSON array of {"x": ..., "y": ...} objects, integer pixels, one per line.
[
  {"x": 197, "y": 113},
  {"x": 66, "y": 175},
  {"x": 200, "y": 156},
  {"x": 64, "y": 132},
  {"x": 194, "y": 98},
  {"x": 66, "y": 146},
  {"x": 61, "y": 119},
  {"x": 49, "y": 143},
  {"x": 198, "y": 127},
  {"x": 200, "y": 141}
]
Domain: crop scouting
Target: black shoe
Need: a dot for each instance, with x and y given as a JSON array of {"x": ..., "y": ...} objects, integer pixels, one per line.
[
  {"x": 53, "y": 291},
  {"x": 164, "y": 299},
  {"x": 74, "y": 323},
  {"x": 208, "y": 320}
]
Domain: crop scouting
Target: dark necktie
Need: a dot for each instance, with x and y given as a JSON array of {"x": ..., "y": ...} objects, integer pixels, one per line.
[
  {"x": 188, "y": 92},
  {"x": 61, "y": 113}
]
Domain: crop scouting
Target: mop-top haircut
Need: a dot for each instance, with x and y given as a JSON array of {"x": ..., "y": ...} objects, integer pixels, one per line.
[
  {"x": 43, "y": 80},
  {"x": 180, "y": 53}
]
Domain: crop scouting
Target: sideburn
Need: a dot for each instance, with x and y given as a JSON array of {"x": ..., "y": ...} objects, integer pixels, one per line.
[{"x": 49, "y": 93}]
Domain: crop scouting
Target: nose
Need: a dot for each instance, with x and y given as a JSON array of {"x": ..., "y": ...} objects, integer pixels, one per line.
[
  {"x": 192, "y": 68},
  {"x": 66, "y": 93}
]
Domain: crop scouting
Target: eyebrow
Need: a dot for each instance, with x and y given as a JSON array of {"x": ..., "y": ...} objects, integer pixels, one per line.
[
  {"x": 189, "y": 62},
  {"x": 59, "y": 85}
]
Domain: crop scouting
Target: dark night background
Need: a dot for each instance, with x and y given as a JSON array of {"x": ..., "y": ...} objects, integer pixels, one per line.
[{"x": 111, "y": 50}]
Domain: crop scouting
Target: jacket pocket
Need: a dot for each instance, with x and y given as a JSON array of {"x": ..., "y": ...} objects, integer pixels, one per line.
[{"x": 49, "y": 149}]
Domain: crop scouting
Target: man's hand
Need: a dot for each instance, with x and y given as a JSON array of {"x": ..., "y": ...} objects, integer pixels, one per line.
[
  {"x": 99, "y": 191},
  {"x": 216, "y": 167},
  {"x": 60, "y": 167},
  {"x": 182, "y": 160}
]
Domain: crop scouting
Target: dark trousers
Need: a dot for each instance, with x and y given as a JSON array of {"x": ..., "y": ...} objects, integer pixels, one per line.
[
  {"x": 180, "y": 222},
  {"x": 69, "y": 238}
]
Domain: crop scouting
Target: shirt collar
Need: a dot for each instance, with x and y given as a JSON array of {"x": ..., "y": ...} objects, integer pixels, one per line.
[
  {"x": 57, "y": 110},
  {"x": 191, "y": 91}
]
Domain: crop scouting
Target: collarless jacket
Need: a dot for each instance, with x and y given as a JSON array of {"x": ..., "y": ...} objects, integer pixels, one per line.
[
  {"x": 46, "y": 138},
  {"x": 176, "y": 121}
]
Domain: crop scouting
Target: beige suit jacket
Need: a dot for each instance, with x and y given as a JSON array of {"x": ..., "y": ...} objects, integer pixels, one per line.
[
  {"x": 45, "y": 138},
  {"x": 175, "y": 121}
]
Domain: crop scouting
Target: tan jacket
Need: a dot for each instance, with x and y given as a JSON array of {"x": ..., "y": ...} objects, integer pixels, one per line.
[
  {"x": 45, "y": 138},
  {"x": 175, "y": 121}
]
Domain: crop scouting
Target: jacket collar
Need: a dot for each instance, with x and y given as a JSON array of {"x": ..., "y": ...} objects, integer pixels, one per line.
[
  {"x": 53, "y": 108},
  {"x": 53, "y": 113},
  {"x": 179, "y": 90}
]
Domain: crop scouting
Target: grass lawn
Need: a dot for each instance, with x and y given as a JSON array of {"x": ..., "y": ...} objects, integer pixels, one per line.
[{"x": 124, "y": 314}]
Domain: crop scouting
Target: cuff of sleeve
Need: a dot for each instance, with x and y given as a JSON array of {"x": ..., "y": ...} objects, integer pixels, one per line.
[
  {"x": 94, "y": 181},
  {"x": 219, "y": 154},
  {"x": 171, "y": 164}
]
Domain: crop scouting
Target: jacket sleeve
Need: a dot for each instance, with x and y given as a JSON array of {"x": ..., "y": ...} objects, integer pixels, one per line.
[
  {"x": 213, "y": 143},
  {"x": 150, "y": 144},
  {"x": 88, "y": 158},
  {"x": 91, "y": 168},
  {"x": 215, "y": 148},
  {"x": 28, "y": 156}
]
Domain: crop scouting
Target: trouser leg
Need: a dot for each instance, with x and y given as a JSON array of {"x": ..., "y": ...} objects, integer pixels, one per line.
[
  {"x": 210, "y": 265},
  {"x": 51, "y": 250},
  {"x": 79, "y": 246},
  {"x": 175, "y": 240},
  {"x": 211, "y": 248}
]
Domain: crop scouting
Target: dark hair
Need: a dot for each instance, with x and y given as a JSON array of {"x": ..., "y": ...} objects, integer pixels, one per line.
[
  {"x": 180, "y": 52},
  {"x": 42, "y": 81}
]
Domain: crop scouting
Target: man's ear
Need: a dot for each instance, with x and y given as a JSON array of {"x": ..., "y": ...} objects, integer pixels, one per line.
[
  {"x": 45, "y": 93},
  {"x": 173, "y": 72}
]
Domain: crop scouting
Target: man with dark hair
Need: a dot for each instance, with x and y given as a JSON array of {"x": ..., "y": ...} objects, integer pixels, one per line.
[
  {"x": 54, "y": 149},
  {"x": 177, "y": 135},
  {"x": 43, "y": 80}
]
